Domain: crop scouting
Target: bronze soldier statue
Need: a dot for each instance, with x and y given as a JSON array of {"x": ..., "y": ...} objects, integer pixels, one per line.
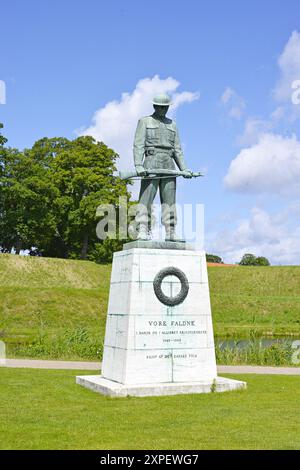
[{"x": 157, "y": 147}]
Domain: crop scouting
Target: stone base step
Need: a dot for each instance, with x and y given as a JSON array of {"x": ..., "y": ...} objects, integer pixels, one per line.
[{"x": 99, "y": 384}]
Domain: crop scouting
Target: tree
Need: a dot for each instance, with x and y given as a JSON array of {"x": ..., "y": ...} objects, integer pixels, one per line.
[
  {"x": 3, "y": 140},
  {"x": 214, "y": 259},
  {"x": 25, "y": 201},
  {"x": 248, "y": 260},
  {"x": 251, "y": 260},
  {"x": 82, "y": 172},
  {"x": 50, "y": 193},
  {"x": 262, "y": 261}
]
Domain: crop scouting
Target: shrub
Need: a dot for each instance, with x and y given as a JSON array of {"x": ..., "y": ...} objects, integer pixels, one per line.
[
  {"x": 251, "y": 260},
  {"x": 214, "y": 259}
]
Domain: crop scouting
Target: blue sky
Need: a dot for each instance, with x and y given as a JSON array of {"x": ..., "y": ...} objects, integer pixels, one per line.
[{"x": 63, "y": 61}]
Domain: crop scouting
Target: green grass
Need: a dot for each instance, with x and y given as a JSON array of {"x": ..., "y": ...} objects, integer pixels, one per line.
[
  {"x": 45, "y": 409},
  {"x": 247, "y": 298},
  {"x": 48, "y": 301},
  {"x": 45, "y": 302}
]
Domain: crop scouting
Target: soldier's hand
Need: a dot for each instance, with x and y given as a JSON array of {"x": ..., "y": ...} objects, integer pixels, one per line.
[
  {"x": 140, "y": 170},
  {"x": 187, "y": 173}
]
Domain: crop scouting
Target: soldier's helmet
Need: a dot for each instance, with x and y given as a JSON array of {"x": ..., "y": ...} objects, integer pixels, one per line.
[{"x": 162, "y": 100}]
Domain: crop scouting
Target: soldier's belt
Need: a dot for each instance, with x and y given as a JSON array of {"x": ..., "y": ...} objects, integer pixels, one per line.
[{"x": 157, "y": 151}]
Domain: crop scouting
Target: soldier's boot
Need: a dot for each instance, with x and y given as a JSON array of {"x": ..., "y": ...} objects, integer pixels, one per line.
[
  {"x": 171, "y": 234},
  {"x": 143, "y": 233}
]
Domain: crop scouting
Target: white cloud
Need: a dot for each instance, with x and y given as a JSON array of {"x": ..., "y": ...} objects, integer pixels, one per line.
[
  {"x": 115, "y": 123},
  {"x": 278, "y": 113},
  {"x": 262, "y": 234},
  {"x": 271, "y": 165},
  {"x": 235, "y": 112},
  {"x": 268, "y": 163},
  {"x": 289, "y": 64},
  {"x": 253, "y": 130},
  {"x": 232, "y": 103},
  {"x": 228, "y": 93},
  {"x": 287, "y": 91}
]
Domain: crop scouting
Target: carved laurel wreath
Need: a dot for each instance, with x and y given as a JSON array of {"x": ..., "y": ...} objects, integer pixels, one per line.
[{"x": 163, "y": 298}]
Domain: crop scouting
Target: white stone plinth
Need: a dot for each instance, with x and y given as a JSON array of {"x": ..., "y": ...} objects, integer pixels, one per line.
[
  {"x": 114, "y": 389},
  {"x": 151, "y": 348}
]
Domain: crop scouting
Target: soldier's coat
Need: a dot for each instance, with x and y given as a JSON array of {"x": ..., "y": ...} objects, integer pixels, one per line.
[
  {"x": 157, "y": 146},
  {"x": 161, "y": 135}
]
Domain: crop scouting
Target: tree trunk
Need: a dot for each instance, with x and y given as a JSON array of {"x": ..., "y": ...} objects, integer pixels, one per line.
[
  {"x": 84, "y": 246},
  {"x": 18, "y": 246}
]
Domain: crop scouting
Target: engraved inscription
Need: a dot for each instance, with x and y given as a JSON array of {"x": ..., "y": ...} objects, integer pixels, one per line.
[{"x": 170, "y": 333}]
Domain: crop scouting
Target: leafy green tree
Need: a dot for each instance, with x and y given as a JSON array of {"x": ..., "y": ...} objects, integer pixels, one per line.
[
  {"x": 248, "y": 260},
  {"x": 25, "y": 201},
  {"x": 251, "y": 260},
  {"x": 262, "y": 261},
  {"x": 82, "y": 172},
  {"x": 50, "y": 193},
  {"x": 103, "y": 252},
  {"x": 213, "y": 259},
  {"x": 3, "y": 140}
]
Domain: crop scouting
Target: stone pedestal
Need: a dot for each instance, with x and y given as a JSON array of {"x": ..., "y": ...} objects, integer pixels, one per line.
[{"x": 159, "y": 335}]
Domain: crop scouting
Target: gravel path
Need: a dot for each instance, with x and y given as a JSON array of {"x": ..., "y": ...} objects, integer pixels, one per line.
[{"x": 37, "y": 364}]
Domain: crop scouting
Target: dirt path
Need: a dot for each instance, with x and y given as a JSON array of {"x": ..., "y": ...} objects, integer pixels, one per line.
[
  {"x": 259, "y": 370},
  {"x": 38, "y": 364}
]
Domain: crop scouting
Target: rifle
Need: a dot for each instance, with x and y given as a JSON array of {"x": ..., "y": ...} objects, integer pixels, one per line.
[{"x": 157, "y": 174}]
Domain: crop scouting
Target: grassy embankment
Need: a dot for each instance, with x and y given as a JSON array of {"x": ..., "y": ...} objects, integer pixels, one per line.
[
  {"x": 43, "y": 409},
  {"x": 57, "y": 308}
]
